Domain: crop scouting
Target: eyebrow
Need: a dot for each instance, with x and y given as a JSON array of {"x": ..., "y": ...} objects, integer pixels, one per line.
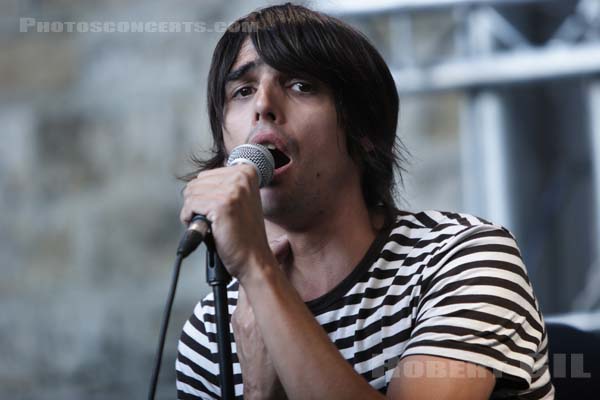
[{"x": 241, "y": 71}]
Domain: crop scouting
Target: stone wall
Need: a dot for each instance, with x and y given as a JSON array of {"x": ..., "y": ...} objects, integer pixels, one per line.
[{"x": 95, "y": 127}]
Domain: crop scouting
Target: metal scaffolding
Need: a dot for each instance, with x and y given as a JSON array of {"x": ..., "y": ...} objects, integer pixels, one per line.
[{"x": 492, "y": 52}]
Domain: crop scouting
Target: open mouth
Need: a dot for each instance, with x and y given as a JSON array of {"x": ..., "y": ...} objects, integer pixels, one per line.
[{"x": 280, "y": 158}]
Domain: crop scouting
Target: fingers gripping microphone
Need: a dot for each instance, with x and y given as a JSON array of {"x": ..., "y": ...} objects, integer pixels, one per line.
[
  {"x": 253, "y": 154},
  {"x": 259, "y": 157}
]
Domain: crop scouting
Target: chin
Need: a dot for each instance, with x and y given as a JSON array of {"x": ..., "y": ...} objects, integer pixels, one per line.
[
  {"x": 270, "y": 205},
  {"x": 272, "y": 212},
  {"x": 277, "y": 211},
  {"x": 272, "y": 195},
  {"x": 281, "y": 207}
]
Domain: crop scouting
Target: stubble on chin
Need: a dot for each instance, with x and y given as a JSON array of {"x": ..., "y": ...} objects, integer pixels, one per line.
[
  {"x": 279, "y": 209},
  {"x": 294, "y": 213}
]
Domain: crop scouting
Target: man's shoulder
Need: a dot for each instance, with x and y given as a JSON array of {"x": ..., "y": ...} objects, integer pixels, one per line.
[
  {"x": 426, "y": 232},
  {"x": 434, "y": 218},
  {"x": 436, "y": 221}
]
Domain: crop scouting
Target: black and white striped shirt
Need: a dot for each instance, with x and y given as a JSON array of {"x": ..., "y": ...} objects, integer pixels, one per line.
[{"x": 434, "y": 283}]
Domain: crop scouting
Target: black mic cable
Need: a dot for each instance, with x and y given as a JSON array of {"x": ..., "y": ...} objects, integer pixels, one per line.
[
  {"x": 164, "y": 326},
  {"x": 194, "y": 235}
]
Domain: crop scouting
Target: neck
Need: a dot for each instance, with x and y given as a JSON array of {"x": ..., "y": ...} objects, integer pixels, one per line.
[{"x": 325, "y": 252}]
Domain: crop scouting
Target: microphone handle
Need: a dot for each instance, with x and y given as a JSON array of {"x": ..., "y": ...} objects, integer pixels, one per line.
[{"x": 195, "y": 234}]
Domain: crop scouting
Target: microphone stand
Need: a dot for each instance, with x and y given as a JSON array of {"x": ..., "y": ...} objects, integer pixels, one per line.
[{"x": 218, "y": 277}]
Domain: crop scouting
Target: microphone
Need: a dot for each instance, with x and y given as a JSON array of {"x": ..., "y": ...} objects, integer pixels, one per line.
[{"x": 253, "y": 154}]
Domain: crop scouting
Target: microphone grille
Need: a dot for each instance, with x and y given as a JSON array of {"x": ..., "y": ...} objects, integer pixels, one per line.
[{"x": 256, "y": 155}]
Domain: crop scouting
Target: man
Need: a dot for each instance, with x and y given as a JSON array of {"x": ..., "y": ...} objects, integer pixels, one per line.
[{"x": 337, "y": 294}]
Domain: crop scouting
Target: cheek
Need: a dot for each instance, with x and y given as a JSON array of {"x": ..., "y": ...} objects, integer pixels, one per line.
[
  {"x": 327, "y": 134},
  {"x": 227, "y": 141},
  {"x": 234, "y": 130}
]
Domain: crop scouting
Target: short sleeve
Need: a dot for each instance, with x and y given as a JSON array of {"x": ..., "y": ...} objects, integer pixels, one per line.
[{"x": 477, "y": 305}]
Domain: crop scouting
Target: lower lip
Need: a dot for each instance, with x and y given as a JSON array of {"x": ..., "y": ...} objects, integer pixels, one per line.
[{"x": 279, "y": 171}]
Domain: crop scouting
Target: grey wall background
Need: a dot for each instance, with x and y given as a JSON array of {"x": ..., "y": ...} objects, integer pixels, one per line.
[{"x": 94, "y": 129}]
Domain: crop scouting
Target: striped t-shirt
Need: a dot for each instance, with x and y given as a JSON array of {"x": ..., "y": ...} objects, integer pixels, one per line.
[{"x": 434, "y": 283}]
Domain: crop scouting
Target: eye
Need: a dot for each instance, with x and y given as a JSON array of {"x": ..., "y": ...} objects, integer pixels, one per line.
[
  {"x": 244, "y": 91},
  {"x": 303, "y": 87}
]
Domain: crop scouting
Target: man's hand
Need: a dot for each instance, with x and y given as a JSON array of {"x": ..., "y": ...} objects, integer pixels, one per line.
[
  {"x": 259, "y": 376},
  {"x": 230, "y": 198},
  {"x": 260, "y": 379}
]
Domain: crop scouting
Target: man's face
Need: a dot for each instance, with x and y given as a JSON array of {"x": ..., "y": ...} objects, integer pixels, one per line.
[{"x": 298, "y": 117}]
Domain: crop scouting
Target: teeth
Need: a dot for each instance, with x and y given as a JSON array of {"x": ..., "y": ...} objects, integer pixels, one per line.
[{"x": 270, "y": 146}]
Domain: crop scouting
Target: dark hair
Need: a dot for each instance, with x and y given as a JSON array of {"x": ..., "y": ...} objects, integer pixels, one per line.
[{"x": 293, "y": 39}]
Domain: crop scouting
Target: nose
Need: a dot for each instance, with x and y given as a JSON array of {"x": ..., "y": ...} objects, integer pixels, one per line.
[{"x": 267, "y": 104}]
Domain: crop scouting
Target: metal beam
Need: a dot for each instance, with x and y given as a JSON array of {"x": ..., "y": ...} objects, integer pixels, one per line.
[
  {"x": 361, "y": 7},
  {"x": 483, "y": 150},
  {"x": 586, "y": 321},
  {"x": 514, "y": 67},
  {"x": 593, "y": 93}
]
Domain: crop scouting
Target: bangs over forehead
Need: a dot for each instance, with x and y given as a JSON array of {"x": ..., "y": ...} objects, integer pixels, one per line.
[
  {"x": 300, "y": 42},
  {"x": 294, "y": 42}
]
